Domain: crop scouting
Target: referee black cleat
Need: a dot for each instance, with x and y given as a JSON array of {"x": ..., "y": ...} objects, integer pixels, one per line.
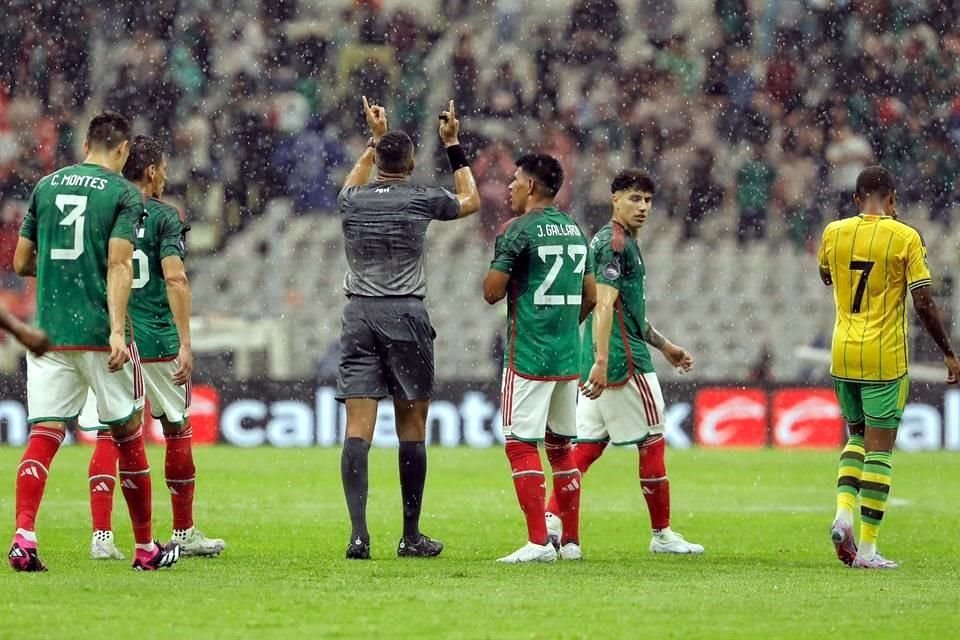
[
  {"x": 358, "y": 549},
  {"x": 423, "y": 548}
]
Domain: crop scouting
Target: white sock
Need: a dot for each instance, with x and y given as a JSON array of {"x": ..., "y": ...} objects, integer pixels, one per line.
[
  {"x": 103, "y": 535},
  {"x": 867, "y": 550},
  {"x": 147, "y": 547},
  {"x": 29, "y": 536},
  {"x": 845, "y": 515},
  {"x": 659, "y": 533}
]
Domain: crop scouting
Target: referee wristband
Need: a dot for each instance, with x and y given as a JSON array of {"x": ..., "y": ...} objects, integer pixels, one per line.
[{"x": 457, "y": 158}]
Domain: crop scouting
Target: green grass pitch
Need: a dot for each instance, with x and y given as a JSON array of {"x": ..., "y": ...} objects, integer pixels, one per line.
[{"x": 769, "y": 570}]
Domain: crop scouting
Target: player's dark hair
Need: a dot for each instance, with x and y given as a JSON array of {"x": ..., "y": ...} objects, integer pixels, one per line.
[
  {"x": 875, "y": 181},
  {"x": 545, "y": 169},
  {"x": 395, "y": 152},
  {"x": 144, "y": 151},
  {"x": 108, "y": 130},
  {"x": 633, "y": 180}
]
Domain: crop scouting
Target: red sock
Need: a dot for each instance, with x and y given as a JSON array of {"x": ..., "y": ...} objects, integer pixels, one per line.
[
  {"x": 102, "y": 473},
  {"x": 529, "y": 483},
  {"x": 180, "y": 474},
  {"x": 584, "y": 454},
  {"x": 653, "y": 481},
  {"x": 566, "y": 485},
  {"x": 32, "y": 473},
  {"x": 135, "y": 483}
]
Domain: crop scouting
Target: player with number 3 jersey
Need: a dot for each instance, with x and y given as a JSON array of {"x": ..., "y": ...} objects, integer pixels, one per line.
[
  {"x": 78, "y": 240},
  {"x": 542, "y": 262}
]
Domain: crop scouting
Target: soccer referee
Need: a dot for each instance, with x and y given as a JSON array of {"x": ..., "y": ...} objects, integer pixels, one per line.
[{"x": 387, "y": 340}]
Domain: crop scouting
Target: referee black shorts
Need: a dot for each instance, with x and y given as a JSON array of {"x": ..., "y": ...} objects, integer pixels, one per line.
[{"x": 386, "y": 349}]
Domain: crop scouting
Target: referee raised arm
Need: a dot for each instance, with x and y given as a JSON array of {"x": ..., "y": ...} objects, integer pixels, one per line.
[{"x": 387, "y": 340}]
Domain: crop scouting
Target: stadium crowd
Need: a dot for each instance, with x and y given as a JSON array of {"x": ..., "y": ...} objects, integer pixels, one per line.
[{"x": 765, "y": 109}]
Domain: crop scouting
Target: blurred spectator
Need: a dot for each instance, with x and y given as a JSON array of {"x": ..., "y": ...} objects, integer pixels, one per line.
[
  {"x": 848, "y": 153},
  {"x": 507, "y": 16},
  {"x": 504, "y": 94},
  {"x": 755, "y": 181},
  {"x": 308, "y": 159},
  {"x": 794, "y": 187},
  {"x": 465, "y": 74},
  {"x": 493, "y": 170},
  {"x": 595, "y": 27},
  {"x": 705, "y": 194}
]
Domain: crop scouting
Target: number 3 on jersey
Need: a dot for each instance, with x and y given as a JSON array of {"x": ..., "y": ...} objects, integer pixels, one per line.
[
  {"x": 578, "y": 253},
  {"x": 141, "y": 266},
  {"x": 74, "y": 208}
]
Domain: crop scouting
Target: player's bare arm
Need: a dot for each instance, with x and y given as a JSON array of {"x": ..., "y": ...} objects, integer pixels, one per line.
[
  {"x": 932, "y": 321},
  {"x": 602, "y": 327},
  {"x": 33, "y": 338},
  {"x": 675, "y": 354},
  {"x": 495, "y": 286},
  {"x": 178, "y": 295},
  {"x": 588, "y": 298},
  {"x": 25, "y": 258},
  {"x": 467, "y": 193},
  {"x": 119, "y": 283}
]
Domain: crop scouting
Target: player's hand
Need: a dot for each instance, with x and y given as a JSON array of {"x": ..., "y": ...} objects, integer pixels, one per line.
[
  {"x": 597, "y": 381},
  {"x": 376, "y": 119},
  {"x": 184, "y": 366},
  {"x": 449, "y": 126},
  {"x": 953, "y": 368},
  {"x": 34, "y": 339},
  {"x": 678, "y": 357},
  {"x": 118, "y": 352}
]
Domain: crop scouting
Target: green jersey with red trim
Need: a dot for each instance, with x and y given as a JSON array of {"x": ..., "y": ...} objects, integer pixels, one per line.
[
  {"x": 546, "y": 255},
  {"x": 618, "y": 264},
  {"x": 72, "y": 216},
  {"x": 162, "y": 234}
]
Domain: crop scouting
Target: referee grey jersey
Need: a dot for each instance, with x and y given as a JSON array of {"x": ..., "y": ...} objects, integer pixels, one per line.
[{"x": 384, "y": 226}]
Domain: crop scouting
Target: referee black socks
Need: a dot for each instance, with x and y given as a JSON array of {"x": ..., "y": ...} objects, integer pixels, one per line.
[
  {"x": 353, "y": 472},
  {"x": 413, "y": 475}
]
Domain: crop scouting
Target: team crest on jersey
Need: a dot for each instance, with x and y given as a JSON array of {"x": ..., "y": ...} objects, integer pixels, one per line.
[{"x": 611, "y": 271}]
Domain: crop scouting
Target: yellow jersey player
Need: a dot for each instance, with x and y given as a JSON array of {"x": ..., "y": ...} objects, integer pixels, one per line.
[{"x": 871, "y": 260}]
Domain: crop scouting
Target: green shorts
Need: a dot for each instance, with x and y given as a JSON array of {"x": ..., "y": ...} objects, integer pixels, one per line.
[{"x": 878, "y": 404}]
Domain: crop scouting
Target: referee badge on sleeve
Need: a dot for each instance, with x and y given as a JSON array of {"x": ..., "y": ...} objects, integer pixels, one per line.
[{"x": 611, "y": 271}]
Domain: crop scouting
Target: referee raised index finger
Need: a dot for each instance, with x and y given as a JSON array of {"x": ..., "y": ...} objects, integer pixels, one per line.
[
  {"x": 451, "y": 111},
  {"x": 366, "y": 105}
]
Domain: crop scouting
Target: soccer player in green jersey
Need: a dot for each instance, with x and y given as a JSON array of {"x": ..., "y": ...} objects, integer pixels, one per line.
[
  {"x": 542, "y": 262},
  {"x": 621, "y": 402},
  {"x": 78, "y": 240},
  {"x": 160, "y": 310}
]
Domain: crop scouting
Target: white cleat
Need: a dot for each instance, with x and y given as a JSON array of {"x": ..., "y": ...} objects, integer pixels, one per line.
[
  {"x": 673, "y": 542},
  {"x": 102, "y": 547},
  {"x": 193, "y": 543},
  {"x": 571, "y": 551},
  {"x": 876, "y": 562},
  {"x": 531, "y": 552},
  {"x": 554, "y": 529}
]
